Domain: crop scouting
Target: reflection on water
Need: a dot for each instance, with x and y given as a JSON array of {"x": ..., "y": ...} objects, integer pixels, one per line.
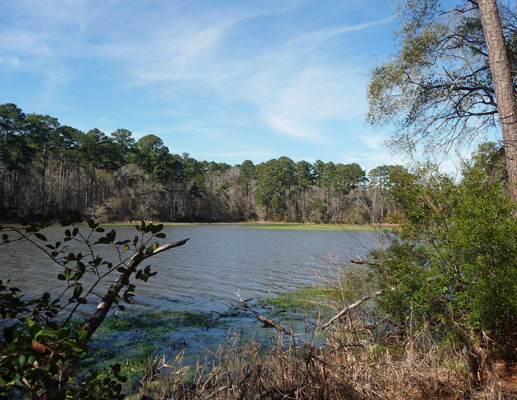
[{"x": 210, "y": 268}]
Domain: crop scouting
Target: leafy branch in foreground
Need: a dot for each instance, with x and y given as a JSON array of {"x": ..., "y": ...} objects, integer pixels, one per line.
[{"x": 41, "y": 346}]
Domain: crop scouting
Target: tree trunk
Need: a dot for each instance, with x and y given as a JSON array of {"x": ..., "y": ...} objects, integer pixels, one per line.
[
  {"x": 106, "y": 302},
  {"x": 503, "y": 86}
]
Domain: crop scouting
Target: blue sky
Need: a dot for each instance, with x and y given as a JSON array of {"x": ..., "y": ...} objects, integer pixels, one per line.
[{"x": 223, "y": 81}]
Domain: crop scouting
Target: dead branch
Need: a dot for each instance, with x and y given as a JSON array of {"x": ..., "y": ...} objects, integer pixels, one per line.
[
  {"x": 269, "y": 323},
  {"x": 343, "y": 312},
  {"x": 167, "y": 247},
  {"x": 106, "y": 302},
  {"x": 361, "y": 262}
]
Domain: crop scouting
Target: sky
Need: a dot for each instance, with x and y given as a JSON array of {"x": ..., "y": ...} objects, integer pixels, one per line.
[{"x": 224, "y": 81}]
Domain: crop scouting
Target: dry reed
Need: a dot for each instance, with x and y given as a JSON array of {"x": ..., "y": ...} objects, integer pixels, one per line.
[{"x": 416, "y": 369}]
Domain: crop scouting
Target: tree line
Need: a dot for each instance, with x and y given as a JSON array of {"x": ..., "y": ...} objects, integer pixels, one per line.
[{"x": 47, "y": 167}]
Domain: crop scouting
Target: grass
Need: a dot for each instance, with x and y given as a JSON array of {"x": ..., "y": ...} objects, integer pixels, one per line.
[
  {"x": 277, "y": 225},
  {"x": 413, "y": 369},
  {"x": 352, "y": 362},
  {"x": 306, "y": 227},
  {"x": 303, "y": 299}
]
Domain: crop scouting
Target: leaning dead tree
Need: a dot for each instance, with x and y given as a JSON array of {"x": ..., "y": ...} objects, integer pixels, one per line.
[
  {"x": 43, "y": 327},
  {"x": 106, "y": 302}
]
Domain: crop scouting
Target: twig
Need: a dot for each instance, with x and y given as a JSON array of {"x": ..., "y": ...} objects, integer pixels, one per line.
[{"x": 361, "y": 262}]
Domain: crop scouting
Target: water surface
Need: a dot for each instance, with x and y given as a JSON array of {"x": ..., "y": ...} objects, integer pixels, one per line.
[{"x": 207, "y": 272}]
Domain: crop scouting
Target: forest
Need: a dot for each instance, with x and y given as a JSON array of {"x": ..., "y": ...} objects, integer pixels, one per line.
[{"x": 50, "y": 168}]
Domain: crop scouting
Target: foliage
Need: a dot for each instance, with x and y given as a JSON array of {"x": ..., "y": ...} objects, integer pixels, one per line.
[
  {"x": 46, "y": 167},
  {"x": 453, "y": 264},
  {"x": 41, "y": 344},
  {"x": 438, "y": 87}
]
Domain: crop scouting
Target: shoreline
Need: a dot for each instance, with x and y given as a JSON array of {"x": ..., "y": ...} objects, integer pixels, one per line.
[{"x": 273, "y": 225}]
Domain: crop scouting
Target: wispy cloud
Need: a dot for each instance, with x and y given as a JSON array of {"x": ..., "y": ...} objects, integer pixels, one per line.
[
  {"x": 201, "y": 68},
  {"x": 294, "y": 88},
  {"x": 373, "y": 140},
  {"x": 239, "y": 155}
]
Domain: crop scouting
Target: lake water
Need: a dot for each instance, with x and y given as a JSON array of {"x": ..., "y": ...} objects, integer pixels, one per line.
[
  {"x": 206, "y": 273},
  {"x": 204, "y": 276}
]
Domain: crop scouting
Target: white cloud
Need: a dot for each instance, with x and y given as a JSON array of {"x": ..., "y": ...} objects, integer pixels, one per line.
[
  {"x": 294, "y": 88},
  {"x": 10, "y": 61},
  {"x": 373, "y": 141},
  {"x": 212, "y": 64}
]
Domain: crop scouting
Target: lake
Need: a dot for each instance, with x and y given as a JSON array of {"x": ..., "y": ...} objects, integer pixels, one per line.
[
  {"x": 187, "y": 308},
  {"x": 206, "y": 273}
]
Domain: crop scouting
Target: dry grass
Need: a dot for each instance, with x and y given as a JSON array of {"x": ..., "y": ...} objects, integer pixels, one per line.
[{"x": 416, "y": 369}]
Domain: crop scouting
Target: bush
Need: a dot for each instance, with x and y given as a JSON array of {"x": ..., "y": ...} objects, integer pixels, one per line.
[{"x": 453, "y": 264}]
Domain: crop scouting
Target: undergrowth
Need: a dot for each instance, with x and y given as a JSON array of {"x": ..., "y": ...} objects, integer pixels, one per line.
[{"x": 413, "y": 369}]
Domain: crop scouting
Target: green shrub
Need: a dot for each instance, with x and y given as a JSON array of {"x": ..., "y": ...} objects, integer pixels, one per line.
[{"x": 453, "y": 264}]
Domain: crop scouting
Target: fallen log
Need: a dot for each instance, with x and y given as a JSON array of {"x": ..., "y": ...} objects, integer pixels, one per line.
[{"x": 269, "y": 323}]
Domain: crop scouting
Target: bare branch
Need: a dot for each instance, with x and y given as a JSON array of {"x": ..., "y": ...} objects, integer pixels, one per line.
[
  {"x": 343, "y": 312},
  {"x": 269, "y": 323},
  {"x": 168, "y": 246}
]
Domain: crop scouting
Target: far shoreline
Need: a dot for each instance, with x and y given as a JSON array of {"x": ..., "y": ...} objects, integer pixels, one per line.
[{"x": 273, "y": 225}]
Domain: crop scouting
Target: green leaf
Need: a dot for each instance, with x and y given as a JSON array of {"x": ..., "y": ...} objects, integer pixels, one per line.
[
  {"x": 103, "y": 240},
  {"x": 81, "y": 267},
  {"x": 41, "y": 237},
  {"x": 78, "y": 291},
  {"x": 63, "y": 333},
  {"x": 152, "y": 248},
  {"x": 82, "y": 335},
  {"x": 29, "y": 322},
  {"x": 156, "y": 228},
  {"x": 20, "y": 361},
  {"x": 111, "y": 235}
]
